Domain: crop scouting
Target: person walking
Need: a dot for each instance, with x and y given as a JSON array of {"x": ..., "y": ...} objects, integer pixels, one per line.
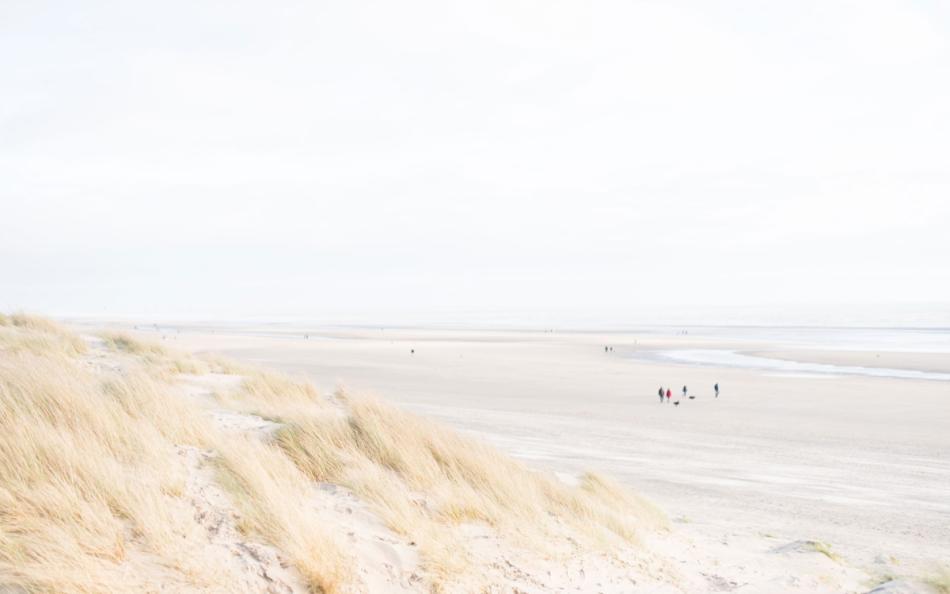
[
  {"x": 661, "y": 394},
  {"x": 669, "y": 393},
  {"x": 684, "y": 391},
  {"x": 716, "y": 387}
]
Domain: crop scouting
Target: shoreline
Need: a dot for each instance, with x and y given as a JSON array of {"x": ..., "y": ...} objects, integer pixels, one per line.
[{"x": 806, "y": 364}]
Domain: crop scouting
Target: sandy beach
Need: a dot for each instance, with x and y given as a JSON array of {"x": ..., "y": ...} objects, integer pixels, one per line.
[{"x": 860, "y": 463}]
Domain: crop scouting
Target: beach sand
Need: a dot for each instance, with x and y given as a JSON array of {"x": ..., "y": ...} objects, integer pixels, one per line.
[{"x": 778, "y": 461}]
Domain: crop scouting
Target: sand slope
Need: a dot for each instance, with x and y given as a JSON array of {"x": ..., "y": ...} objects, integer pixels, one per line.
[{"x": 726, "y": 533}]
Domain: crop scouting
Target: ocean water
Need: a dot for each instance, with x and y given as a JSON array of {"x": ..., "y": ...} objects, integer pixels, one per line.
[{"x": 729, "y": 358}]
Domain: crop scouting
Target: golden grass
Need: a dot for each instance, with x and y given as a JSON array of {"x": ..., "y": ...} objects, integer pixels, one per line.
[
  {"x": 22, "y": 332},
  {"x": 276, "y": 501},
  {"x": 389, "y": 457},
  {"x": 275, "y": 388},
  {"x": 87, "y": 471},
  {"x": 120, "y": 341},
  {"x": 159, "y": 359},
  {"x": 91, "y": 484},
  {"x": 273, "y": 396},
  {"x": 38, "y": 323}
]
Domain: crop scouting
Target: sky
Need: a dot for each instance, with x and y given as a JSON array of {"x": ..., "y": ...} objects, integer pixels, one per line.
[{"x": 392, "y": 160}]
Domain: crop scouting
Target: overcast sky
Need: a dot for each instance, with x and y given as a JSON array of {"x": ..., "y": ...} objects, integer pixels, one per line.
[{"x": 205, "y": 159}]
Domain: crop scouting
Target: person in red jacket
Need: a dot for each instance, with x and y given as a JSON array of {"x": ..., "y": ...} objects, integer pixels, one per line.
[{"x": 668, "y": 394}]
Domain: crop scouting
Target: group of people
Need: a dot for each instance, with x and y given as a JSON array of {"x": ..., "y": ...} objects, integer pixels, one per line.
[{"x": 666, "y": 395}]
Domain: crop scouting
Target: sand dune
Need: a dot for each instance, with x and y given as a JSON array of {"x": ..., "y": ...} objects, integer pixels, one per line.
[
  {"x": 168, "y": 480},
  {"x": 217, "y": 476}
]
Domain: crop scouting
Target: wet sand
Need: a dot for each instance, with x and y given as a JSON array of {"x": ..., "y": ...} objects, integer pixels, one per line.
[{"x": 929, "y": 362}]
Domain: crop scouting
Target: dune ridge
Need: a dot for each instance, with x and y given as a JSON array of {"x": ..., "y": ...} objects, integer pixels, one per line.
[{"x": 132, "y": 467}]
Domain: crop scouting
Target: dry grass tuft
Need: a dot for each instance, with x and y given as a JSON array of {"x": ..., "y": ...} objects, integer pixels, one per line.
[
  {"x": 120, "y": 341},
  {"x": 275, "y": 388},
  {"x": 388, "y": 457},
  {"x": 37, "y": 323},
  {"x": 91, "y": 482},
  {"x": 88, "y": 471},
  {"x": 270, "y": 395},
  {"x": 276, "y": 501},
  {"x": 824, "y": 549},
  {"x": 22, "y": 332},
  {"x": 160, "y": 360}
]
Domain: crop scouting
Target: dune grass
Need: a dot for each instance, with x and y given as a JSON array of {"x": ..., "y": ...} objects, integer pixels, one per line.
[
  {"x": 88, "y": 472},
  {"x": 23, "y": 332},
  {"x": 389, "y": 457},
  {"x": 91, "y": 485},
  {"x": 157, "y": 358},
  {"x": 276, "y": 501},
  {"x": 120, "y": 341},
  {"x": 274, "y": 388},
  {"x": 270, "y": 395}
]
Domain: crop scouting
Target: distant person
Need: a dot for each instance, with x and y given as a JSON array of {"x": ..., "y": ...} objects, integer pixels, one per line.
[
  {"x": 669, "y": 394},
  {"x": 716, "y": 387},
  {"x": 684, "y": 391},
  {"x": 605, "y": 349},
  {"x": 661, "y": 394}
]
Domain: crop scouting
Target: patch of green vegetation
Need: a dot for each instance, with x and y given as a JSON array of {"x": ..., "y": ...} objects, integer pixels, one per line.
[{"x": 825, "y": 549}]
